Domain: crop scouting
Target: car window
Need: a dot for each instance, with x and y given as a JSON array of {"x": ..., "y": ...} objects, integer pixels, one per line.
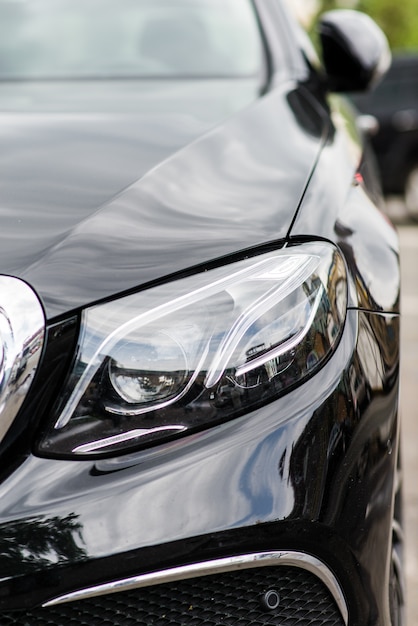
[{"x": 43, "y": 39}]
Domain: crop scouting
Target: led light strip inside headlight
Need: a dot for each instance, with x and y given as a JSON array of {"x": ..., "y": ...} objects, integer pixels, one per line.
[{"x": 200, "y": 350}]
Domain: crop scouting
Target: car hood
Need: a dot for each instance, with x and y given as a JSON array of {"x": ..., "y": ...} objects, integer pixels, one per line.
[{"x": 106, "y": 187}]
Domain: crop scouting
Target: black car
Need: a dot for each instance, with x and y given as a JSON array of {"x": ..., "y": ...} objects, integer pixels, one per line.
[
  {"x": 199, "y": 320},
  {"x": 394, "y": 105}
]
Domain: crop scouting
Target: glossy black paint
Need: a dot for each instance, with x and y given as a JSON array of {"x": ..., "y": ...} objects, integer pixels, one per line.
[
  {"x": 355, "y": 51},
  {"x": 207, "y": 189},
  {"x": 73, "y": 146},
  {"x": 339, "y": 209},
  {"x": 64, "y": 512},
  {"x": 174, "y": 216}
]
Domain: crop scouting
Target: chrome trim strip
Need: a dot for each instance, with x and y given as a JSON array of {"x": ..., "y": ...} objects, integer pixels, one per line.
[
  {"x": 397, "y": 532},
  {"x": 22, "y": 330},
  {"x": 397, "y": 545},
  {"x": 218, "y": 566},
  {"x": 397, "y": 565}
]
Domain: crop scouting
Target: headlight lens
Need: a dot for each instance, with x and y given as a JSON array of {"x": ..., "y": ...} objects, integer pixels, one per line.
[{"x": 201, "y": 350}]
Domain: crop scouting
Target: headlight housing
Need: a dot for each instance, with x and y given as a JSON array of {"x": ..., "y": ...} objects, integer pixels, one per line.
[{"x": 198, "y": 351}]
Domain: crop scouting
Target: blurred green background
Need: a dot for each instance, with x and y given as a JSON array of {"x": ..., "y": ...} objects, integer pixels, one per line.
[{"x": 398, "y": 18}]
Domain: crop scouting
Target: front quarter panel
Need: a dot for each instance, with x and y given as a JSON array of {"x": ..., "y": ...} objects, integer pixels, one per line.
[{"x": 340, "y": 206}]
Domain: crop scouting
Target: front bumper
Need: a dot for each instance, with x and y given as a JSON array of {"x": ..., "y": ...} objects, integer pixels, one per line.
[{"x": 311, "y": 474}]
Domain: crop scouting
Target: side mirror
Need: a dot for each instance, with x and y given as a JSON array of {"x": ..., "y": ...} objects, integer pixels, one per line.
[{"x": 355, "y": 51}]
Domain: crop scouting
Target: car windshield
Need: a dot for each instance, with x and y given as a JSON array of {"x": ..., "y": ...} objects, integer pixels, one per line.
[{"x": 72, "y": 39}]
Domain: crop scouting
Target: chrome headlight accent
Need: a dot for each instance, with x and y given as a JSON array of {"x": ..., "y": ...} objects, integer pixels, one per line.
[
  {"x": 22, "y": 329},
  {"x": 201, "y": 350}
]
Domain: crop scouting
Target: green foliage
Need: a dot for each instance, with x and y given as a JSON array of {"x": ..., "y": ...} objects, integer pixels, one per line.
[
  {"x": 398, "y": 19},
  {"x": 328, "y": 5}
]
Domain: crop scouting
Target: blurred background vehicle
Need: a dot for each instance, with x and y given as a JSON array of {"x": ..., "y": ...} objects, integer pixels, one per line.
[{"x": 393, "y": 104}]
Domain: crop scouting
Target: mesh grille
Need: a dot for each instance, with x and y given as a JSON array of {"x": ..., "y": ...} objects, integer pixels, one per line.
[{"x": 230, "y": 599}]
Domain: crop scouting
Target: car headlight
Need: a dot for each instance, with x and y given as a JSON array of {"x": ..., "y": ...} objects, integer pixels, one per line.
[{"x": 197, "y": 351}]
